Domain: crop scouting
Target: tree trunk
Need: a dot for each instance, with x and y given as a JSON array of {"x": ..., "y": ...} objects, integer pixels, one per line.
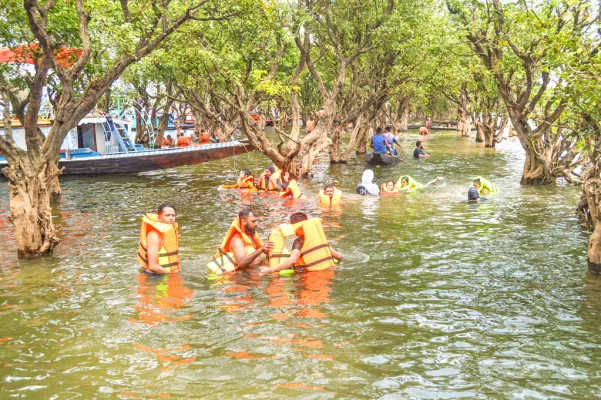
[
  {"x": 404, "y": 117},
  {"x": 480, "y": 128},
  {"x": 335, "y": 149},
  {"x": 163, "y": 122},
  {"x": 30, "y": 211},
  {"x": 141, "y": 131},
  {"x": 362, "y": 138},
  {"x": 464, "y": 123},
  {"x": 534, "y": 172}
]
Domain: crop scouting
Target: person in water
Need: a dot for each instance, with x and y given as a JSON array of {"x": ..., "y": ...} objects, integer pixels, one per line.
[
  {"x": 330, "y": 195},
  {"x": 290, "y": 188},
  {"x": 378, "y": 142},
  {"x": 473, "y": 196},
  {"x": 418, "y": 152},
  {"x": 367, "y": 186},
  {"x": 484, "y": 186},
  {"x": 269, "y": 180},
  {"x": 158, "y": 251},
  {"x": 299, "y": 256},
  {"x": 245, "y": 181},
  {"x": 310, "y": 125},
  {"x": 245, "y": 242},
  {"x": 389, "y": 188},
  {"x": 408, "y": 184}
]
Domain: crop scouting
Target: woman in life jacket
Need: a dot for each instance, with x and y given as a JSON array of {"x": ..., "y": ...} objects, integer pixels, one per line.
[
  {"x": 484, "y": 186},
  {"x": 290, "y": 188},
  {"x": 389, "y": 188},
  {"x": 408, "y": 184},
  {"x": 310, "y": 250},
  {"x": 246, "y": 181},
  {"x": 241, "y": 245},
  {"x": 330, "y": 195},
  {"x": 158, "y": 251}
]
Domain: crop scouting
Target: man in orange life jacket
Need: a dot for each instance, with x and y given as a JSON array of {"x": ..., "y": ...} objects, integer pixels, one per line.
[
  {"x": 295, "y": 254},
  {"x": 154, "y": 240},
  {"x": 249, "y": 225}
]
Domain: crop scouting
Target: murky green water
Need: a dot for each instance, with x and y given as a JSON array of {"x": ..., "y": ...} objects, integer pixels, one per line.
[{"x": 437, "y": 298}]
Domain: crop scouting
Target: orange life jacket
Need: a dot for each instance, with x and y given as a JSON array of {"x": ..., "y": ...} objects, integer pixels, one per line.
[
  {"x": 168, "y": 253},
  {"x": 223, "y": 261},
  {"x": 246, "y": 183},
  {"x": 327, "y": 200},
  {"x": 204, "y": 137},
  {"x": 272, "y": 183},
  {"x": 385, "y": 190},
  {"x": 315, "y": 253},
  {"x": 293, "y": 191},
  {"x": 182, "y": 141}
]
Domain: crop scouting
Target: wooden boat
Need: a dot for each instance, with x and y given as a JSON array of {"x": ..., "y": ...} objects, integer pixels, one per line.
[
  {"x": 380, "y": 159},
  {"x": 88, "y": 162}
]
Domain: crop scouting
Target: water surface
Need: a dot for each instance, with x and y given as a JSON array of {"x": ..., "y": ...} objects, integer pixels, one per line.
[{"x": 437, "y": 298}]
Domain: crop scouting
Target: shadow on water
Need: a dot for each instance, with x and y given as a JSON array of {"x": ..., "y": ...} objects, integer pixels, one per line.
[{"x": 437, "y": 298}]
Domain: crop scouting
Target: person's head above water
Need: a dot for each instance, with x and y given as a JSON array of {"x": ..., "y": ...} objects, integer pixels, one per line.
[
  {"x": 472, "y": 194},
  {"x": 269, "y": 170},
  {"x": 328, "y": 190},
  {"x": 368, "y": 176},
  {"x": 298, "y": 217},
  {"x": 387, "y": 129},
  {"x": 404, "y": 181},
  {"x": 166, "y": 213},
  {"x": 378, "y": 131},
  {"x": 418, "y": 143},
  {"x": 390, "y": 185},
  {"x": 245, "y": 172},
  {"x": 248, "y": 220},
  {"x": 477, "y": 183}
]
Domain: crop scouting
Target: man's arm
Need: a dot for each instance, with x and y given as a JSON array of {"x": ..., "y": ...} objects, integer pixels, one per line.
[
  {"x": 243, "y": 260},
  {"x": 336, "y": 254},
  {"x": 289, "y": 263},
  {"x": 153, "y": 240}
]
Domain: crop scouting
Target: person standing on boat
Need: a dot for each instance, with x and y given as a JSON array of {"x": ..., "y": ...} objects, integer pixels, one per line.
[
  {"x": 418, "y": 152},
  {"x": 158, "y": 251},
  {"x": 391, "y": 140},
  {"x": 378, "y": 142}
]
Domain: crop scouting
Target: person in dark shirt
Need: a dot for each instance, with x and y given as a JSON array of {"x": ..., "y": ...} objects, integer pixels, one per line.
[
  {"x": 378, "y": 142},
  {"x": 418, "y": 152},
  {"x": 473, "y": 196},
  {"x": 391, "y": 140}
]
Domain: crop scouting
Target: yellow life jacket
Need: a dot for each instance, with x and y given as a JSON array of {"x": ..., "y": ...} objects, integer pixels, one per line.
[
  {"x": 168, "y": 253},
  {"x": 385, "y": 190},
  {"x": 412, "y": 184},
  {"x": 315, "y": 253},
  {"x": 223, "y": 261},
  {"x": 327, "y": 200},
  {"x": 293, "y": 191},
  {"x": 486, "y": 184}
]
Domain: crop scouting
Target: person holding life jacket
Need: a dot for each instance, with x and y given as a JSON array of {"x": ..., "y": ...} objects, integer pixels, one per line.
[
  {"x": 389, "y": 188},
  {"x": 330, "y": 195},
  {"x": 310, "y": 250},
  {"x": 159, "y": 242},
  {"x": 290, "y": 188},
  {"x": 269, "y": 180},
  {"x": 241, "y": 247},
  {"x": 484, "y": 186},
  {"x": 245, "y": 181}
]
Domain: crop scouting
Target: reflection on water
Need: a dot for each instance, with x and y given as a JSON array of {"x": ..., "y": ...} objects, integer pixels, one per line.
[{"x": 437, "y": 298}]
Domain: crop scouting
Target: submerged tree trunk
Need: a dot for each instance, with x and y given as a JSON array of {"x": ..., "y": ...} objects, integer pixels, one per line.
[
  {"x": 403, "y": 124},
  {"x": 163, "y": 122}
]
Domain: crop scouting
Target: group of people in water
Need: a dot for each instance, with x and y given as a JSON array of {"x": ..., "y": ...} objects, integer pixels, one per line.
[{"x": 158, "y": 251}]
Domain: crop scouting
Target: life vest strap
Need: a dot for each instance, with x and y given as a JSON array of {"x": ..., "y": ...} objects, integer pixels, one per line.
[
  {"x": 173, "y": 253},
  {"x": 321, "y": 246},
  {"x": 143, "y": 247},
  {"x": 142, "y": 258},
  {"x": 234, "y": 263},
  {"x": 301, "y": 267},
  {"x": 278, "y": 255}
]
